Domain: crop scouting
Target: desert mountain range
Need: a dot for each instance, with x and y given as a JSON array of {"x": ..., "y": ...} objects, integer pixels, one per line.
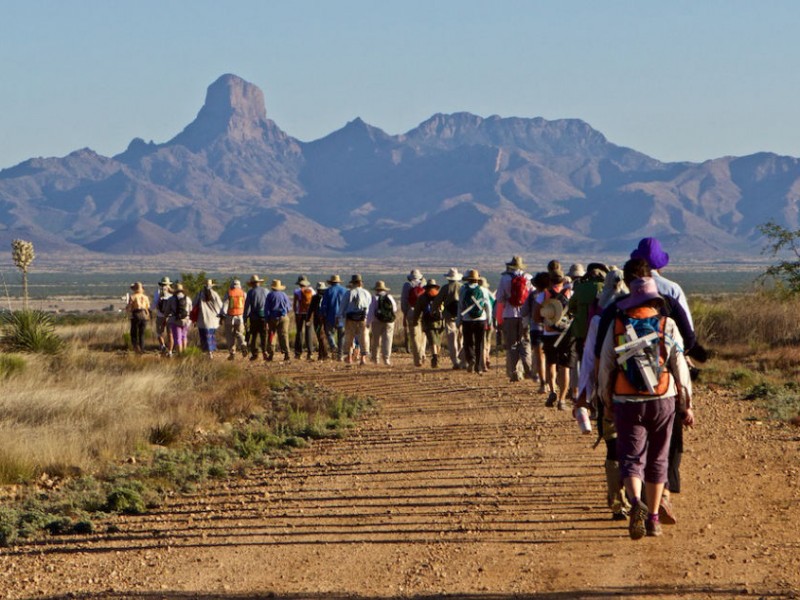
[{"x": 456, "y": 185}]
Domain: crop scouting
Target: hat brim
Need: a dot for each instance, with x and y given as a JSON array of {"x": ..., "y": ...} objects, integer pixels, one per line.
[
  {"x": 557, "y": 309},
  {"x": 634, "y": 301}
]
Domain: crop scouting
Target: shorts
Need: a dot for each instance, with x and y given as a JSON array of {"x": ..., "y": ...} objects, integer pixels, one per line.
[
  {"x": 557, "y": 355},
  {"x": 537, "y": 337},
  {"x": 161, "y": 325}
]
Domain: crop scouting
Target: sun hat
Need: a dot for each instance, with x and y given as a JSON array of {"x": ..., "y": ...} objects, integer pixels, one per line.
[
  {"x": 137, "y": 286},
  {"x": 277, "y": 285},
  {"x": 356, "y": 280},
  {"x": 236, "y": 284},
  {"x": 596, "y": 270},
  {"x": 254, "y": 280},
  {"x": 472, "y": 275},
  {"x": 165, "y": 281},
  {"x": 177, "y": 288},
  {"x": 643, "y": 290},
  {"x": 552, "y": 310},
  {"x": 453, "y": 275},
  {"x": 209, "y": 283},
  {"x": 380, "y": 286},
  {"x": 515, "y": 264},
  {"x": 321, "y": 285},
  {"x": 576, "y": 270},
  {"x": 431, "y": 284},
  {"x": 415, "y": 274},
  {"x": 650, "y": 250},
  {"x": 335, "y": 279},
  {"x": 484, "y": 282},
  {"x": 613, "y": 287},
  {"x": 302, "y": 281}
]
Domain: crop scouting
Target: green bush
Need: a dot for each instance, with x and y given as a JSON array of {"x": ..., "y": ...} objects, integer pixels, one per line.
[
  {"x": 30, "y": 331},
  {"x": 125, "y": 500},
  {"x": 10, "y": 365}
]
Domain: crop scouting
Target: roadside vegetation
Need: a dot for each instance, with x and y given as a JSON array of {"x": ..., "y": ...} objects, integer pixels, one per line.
[{"x": 88, "y": 430}]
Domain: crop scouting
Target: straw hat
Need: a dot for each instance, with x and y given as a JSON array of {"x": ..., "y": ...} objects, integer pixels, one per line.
[
  {"x": 515, "y": 264},
  {"x": 414, "y": 275},
  {"x": 484, "y": 282},
  {"x": 277, "y": 285},
  {"x": 380, "y": 286},
  {"x": 165, "y": 281},
  {"x": 321, "y": 286},
  {"x": 472, "y": 275},
  {"x": 236, "y": 284},
  {"x": 552, "y": 311},
  {"x": 356, "y": 280},
  {"x": 137, "y": 287},
  {"x": 177, "y": 288},
  {"x": 431, "y": 284},
  {"x": 209, "y": 283},
  {"x": 576, "y": 270},
  {"x": 302, "y": 281},
  {"x": 334, "y": 279},
  {"x": 453, "y": 275},
  {"x": 255, "y": 280}
]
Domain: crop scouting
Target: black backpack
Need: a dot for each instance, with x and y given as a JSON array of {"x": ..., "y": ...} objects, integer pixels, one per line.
[
  {"x": 384, "y": 311},
  {"x": 182, "y": 311}
]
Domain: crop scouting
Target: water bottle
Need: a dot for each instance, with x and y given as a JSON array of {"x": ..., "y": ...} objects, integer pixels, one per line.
[{"x": 584, "y": 423}]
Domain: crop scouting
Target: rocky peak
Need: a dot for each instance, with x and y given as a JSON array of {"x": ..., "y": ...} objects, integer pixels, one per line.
[{"x": 234, "y": 108}]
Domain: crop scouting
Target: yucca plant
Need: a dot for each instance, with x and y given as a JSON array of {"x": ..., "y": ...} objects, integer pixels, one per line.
[
  {"x": 23, "y": 255},
  {"x": 30, "y": 331}
]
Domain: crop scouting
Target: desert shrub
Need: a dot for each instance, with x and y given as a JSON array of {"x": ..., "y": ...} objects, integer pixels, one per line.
[
  {"x": 10, "y": 365},
  {"x": 30, "y": 331},
  {"x": 164, "y": 434},
  {"x": 125, "y": 500}
]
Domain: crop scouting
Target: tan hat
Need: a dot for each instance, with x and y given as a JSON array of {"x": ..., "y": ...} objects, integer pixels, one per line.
[
  {"x": 321, "y": 286},
  {"x": 431, "y": 284},
  {"x": 380, "y": 286},
  {"x": 165, "y": 281},
  {"x": 302, "y": 281},
  {"x": 335, "y": 279},
  {"x": 552, "y": 311},
  {"x": 277, "y": 285},
  {"x": 453, "y": 275},
  {"x": 472, "y": 275},
  {"x": 414, "y": 275},
  {"x": 255, "y": 280},
  {"x": 515, "y": 264},
  {"x": 209, "y": 283},
  {"x": 484, "y": 282},
  {"x": 356, "y": 280},
  {"x": 137, "y": 287},
  {"x": 178, "y": 287}
]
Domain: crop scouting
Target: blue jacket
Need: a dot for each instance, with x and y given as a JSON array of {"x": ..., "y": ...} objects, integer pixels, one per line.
[
  {"x": 278, "y": 305},
  {"x": 254, "y": 302},
  {"x": 331, "y": 303}
]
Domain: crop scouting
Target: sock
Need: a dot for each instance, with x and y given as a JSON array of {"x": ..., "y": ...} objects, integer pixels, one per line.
[{"x": 653, "y": 518}]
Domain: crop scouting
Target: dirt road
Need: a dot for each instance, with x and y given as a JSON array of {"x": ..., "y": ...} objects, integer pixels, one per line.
[{"x": 460, "y": 485}]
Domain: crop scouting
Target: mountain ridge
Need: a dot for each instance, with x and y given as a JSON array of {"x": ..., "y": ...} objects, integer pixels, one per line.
[{"x": 233, "y": 181}]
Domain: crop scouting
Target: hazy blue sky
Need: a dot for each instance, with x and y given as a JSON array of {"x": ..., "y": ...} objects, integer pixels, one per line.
[{"x": 679, "y": 80}]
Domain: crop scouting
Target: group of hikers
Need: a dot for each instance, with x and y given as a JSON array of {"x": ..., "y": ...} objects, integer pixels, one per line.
[{"x": 618, "y": 343}]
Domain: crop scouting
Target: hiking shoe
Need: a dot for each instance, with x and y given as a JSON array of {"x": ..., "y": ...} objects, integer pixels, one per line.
[
  {"x": 665, "y": 512},
  {"x": 619, "y": 515},
  {"x": 254, "y": 357},
  {"x": 562, "y": 405},
  {"x": 434, "y": 361},
  {"x": 652, "y": 528},
  {"x": 636, "y": 526},
  {"x": 551, "y": 400}
]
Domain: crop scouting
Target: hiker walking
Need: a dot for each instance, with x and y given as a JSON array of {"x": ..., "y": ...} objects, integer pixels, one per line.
[
  {"x": 233, "y": 314},
  {"x": 138, "y": 308},
  {"x": 209, "y": 305},
  {"x": 276, "y": 308},
  {"x": 642, "y": 392},
  {"x": 178, "y": 308},
  {"x": 334, "y": 324},
  {"x": 583, "y": 305},
  {"x": 491, "y": 323},
  {"x": 473, "y": 317},
  {"x": 555, "y": 340},
  {"x": 354, "y": 307},
  {"x": 381, "y": 319},
  {"x": 160, "y": 298},
  {"x": 512, "y": 292},
  {"x": 317, "y": 320},
  {"x": 447, "y": 301},
  {"x": 587, "y": 397},
  {"x": 428, "y": 314},
  {"x": 412, "y": 290},
  {"x": 531, "y": 314},
  {"x": 255, "y": 317},
  {"x": 301, "y": 302}
]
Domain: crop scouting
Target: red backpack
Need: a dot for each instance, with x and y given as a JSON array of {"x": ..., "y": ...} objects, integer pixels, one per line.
[
  {"x": 414, "y": 294},
  {"x": 519, "y": 291}
]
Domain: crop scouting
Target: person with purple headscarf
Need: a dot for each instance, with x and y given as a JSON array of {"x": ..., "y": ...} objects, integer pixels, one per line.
[{"x": 650, "y": 249}]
